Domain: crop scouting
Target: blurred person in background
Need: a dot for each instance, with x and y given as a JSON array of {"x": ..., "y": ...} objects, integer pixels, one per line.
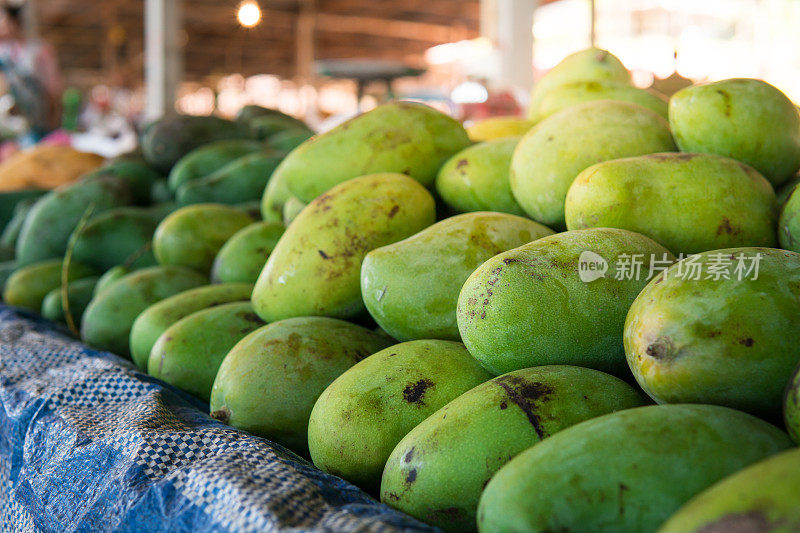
[{"x": 31, "y": 74}]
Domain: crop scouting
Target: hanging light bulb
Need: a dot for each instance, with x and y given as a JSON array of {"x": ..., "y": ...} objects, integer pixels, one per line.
[{"x": 249, "y": 14}]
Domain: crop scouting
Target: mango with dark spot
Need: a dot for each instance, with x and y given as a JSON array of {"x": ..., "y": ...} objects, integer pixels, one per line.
[
  {"x": 411, "y": 287},
  {"x": 550, "y": 156},
  {"x": 693, "y": 336},
  {"x": 476, "y": 178},
  {"x": 530, "y": 306},
  {"x": 269, "y": 381},
  {"x": 154, "y": 320},
  {"x": 454, "y": 452},
  {"x": 625, "y": 471},
  {"x": 579, "y": 92},
  {"x": 107, "y": 321},
  {"x": 190, "y": 351},
  {"x": 492, "y": 128},
  {"x": 242, "y": 257},
  {"x": 761, "y": 498},
  {"x": 28, "y": 286},
  {"x": 118, "y": 236},
  {"x": 402, "y": 137},
  {"x": 52, "y": 219},
  {"x": 688, "y": 203},
  {"x": 315, "y": 268},
  {"x": 791, "y": 406},
  {"x": 79, "y": 294},
  {"x": 360, "y": 418},
  {"x": 789, "y": 223},
  {"x": 241, "y": 180},
  {"x": 592, "y": 64},
  {"x": 748, "y": 120},
  {"x": 193, "y": 235},
  {"x": 209, "y": 158}
]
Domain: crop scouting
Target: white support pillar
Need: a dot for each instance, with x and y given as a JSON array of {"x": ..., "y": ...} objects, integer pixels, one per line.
[
  {"x": 163, "y": 57},
  {"x": 509, "y": 25}
]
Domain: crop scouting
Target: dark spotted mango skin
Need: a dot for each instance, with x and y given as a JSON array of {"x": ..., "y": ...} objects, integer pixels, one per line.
[
  {"x": 724, "y": 342},
  {"x": 762, "y": 497},
  {"x": 315, "y": 267},
  {"x": 625, "y": 471},
  {"x": 404, "y": 137},
  {"x": 438, "y": 471},
  {"x": 360, "y": 418},
  {"x": 528, "y": 306}
]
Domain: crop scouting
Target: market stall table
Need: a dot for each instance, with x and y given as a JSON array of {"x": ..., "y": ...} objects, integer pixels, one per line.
[{"x": 87, "y": 443}]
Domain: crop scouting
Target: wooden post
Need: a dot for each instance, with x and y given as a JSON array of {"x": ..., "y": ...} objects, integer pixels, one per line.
[
  {"x": 509, "y": 25},
  {"x": 163, "y": 57},
  {"x": 304, "y": 58}
]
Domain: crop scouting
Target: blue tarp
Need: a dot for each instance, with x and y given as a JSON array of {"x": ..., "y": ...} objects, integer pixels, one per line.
[{"x": 87, "y": 443}]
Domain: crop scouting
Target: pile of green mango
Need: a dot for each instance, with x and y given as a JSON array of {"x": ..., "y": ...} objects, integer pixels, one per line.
[{"x": 583, "y": 320}]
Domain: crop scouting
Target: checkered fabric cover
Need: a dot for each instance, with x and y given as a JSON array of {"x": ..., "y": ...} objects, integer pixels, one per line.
[{"x": 89, "y": 444}]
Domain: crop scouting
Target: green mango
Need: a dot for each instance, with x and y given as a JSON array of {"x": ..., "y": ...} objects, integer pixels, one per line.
[
  {"x": 252, "y": 111},
  {"x": 288, "y": 140},
  {"x": 12, "y": 230},
  {"x": 276, "y": 194},
  {"x": 10, "y": 199},
  {"x": 7, "y": 268},
  {"x": 719, "y": 341},
  {"x": 579, "y": 92},
  {"x": 140, "y": 177},
  {"x": 51, "y": 221},
  {"x": 79, "y": 294},
  {"x": 314, "y": 269},
  {"x": 110, "y": 276},
  {"x": 291, "y": 209},
  {"x": 476, "y": 178},
  {"x": 748, "y": 120},
  {"x": 789, "y": 223},
  {"x": 265, "y": 127},
  {"x": 439, "y": 469},
  {"x": 269, "y": 381},
  {"x": 783, "y": 193},
  {"x": 7, "y": 253},
  {"x": 118, "y": 236},
  {"x": 403, "y": 137},
  {"x": 625, "y": 471},
  {"x": 154, "y": 320},
  {"x": 243, "y": 256},
  {"x": 363, "y": 415},
  {"x": 591, "y": 64},
  {"x": 169, "y": 139},
  {"x": 536, "y": 305},
  {"x": 762, "y": 498},
  {"x": 551, "y": 155},
  {"x": 189, "y": 352},
  {"x": 791, "y": 406},
  {"x": 690, "y": 203},
  {"x": 240, "y": 181},
  {"x": 209, "y": 158},
  {"x": 107, "y": 321},
  {"x": 193, "y": 235},
  {"x": 29, "y": 284},
  {"x": 411, "y": 287}
]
